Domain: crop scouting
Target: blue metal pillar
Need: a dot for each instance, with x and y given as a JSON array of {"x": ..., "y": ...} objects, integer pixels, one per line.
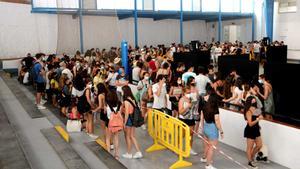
[
  {"x": 80, "y": 27},
  {"x": 220, "y": 23},
  {"x": 125, "y": 61},
  {"x": 201, "y": 8},
  {"x": 181, "y": 22},
  {"x": 269, "y": 14},
  {"x": 253, "y": 20},
  {"x": 135, "y": 24},
  {"x": 153, "y": 5}
]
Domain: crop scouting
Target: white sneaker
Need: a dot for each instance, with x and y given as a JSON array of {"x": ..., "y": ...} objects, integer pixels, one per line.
[
  {"x": 43, "y": 101},
  {"x": 192, "y": 152},
  {"x": 203, "y": 160},
  {"x": 93, "y": 136},
  {"x": 129, "y": 156},
  {"x": 41, "y": 107},
  {"x": 138, "y": 155},
  {"x": 112, "y": 147},
  {"x": 210, "y": 167},
  {"x": 144, "y": 127}
]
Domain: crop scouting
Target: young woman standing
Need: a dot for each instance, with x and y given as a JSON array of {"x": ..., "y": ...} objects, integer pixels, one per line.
[
  {"x": 129, "y": 106},
  {"x": 211, "y": 123},
  {"x": 252, "y": 130}
]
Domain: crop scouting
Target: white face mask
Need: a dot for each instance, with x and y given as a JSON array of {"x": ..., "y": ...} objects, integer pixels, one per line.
[
  {"x": 188, "y": 95},
  {"x": 179, "y": 82},
  {"x": 164, "y": 85},
  {"x": 146, "y": 77},
  {"x": 260, "y": 81}
]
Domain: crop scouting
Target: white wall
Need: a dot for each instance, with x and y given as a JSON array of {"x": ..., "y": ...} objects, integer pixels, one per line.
[
  {"x": 22, "y": 32},
  {"x": 286, "y": 28},
  {"x": 244, "y": 24},
  {"x": 282, "y": 141}
]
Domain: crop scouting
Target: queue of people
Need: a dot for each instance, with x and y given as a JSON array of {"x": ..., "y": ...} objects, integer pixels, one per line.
[{"x": 96, "y": 83}]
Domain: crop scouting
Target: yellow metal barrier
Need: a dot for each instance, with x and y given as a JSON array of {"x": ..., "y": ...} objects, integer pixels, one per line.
[{"x": 169, "y": 132}]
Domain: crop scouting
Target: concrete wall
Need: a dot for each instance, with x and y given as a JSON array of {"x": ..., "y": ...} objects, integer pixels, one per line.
[
  {"x": 244, "y": 24},
  {"x": 22, "y": 32},
  {"x": 286, "y": 28},
  {"x": 282, "y": 141}
]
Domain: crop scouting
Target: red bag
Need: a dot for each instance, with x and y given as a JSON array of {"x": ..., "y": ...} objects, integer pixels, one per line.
[{"x": 116, "y": 120}]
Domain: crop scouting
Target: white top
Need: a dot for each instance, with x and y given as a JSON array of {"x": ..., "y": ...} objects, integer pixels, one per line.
[
  {"x": 201, "y": 82},
  {"x": 159, "y": 101},
  {"x": 68, "y": 73},
  {"x": 111, "y": 78},
  {"x": 109, "y": 112},
  {"x": 136, "y": 74},
  {"x": 76, "y": 92},
  {"x": 25, "y": 79},
  {"x": 218, "y": 51},
  {"x": 186, "y": 75},
  {"x": 256, "y": 48},
  {"x": 239, "y": 93}
]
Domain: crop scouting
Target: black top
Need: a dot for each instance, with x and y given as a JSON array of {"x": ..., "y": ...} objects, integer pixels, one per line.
[
  {"x": 208, "y": 114},
  {"x": 28, "y": 61}
]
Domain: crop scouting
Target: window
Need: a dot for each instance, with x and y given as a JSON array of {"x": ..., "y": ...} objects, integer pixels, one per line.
[
  {"x": 247, "y": 6},
  {"x": 44, "y": 4},
  {"x": 115, "y": 4},
  {"x": 230, "y": 5},
  {"x": 68, "y": 4},
  {"x": 167, "y": 5},
  {"x": 187, "y": 5},
  {"x": 210, "y": 5},
  {"x": 287, "y": 6},
  {"x": 56, "y": 4}
]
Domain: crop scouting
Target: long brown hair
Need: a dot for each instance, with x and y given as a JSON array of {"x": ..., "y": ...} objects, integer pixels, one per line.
[
  {"x": 127, "y": 93},
  {"x": 247, "y": 106}
]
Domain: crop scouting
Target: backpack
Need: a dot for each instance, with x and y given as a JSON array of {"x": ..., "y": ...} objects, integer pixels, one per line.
[
  {"x": 115, "y": 123},
  {"x": 136, "y": 117}
]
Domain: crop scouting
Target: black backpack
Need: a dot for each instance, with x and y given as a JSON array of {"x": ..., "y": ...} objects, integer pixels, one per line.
[{"x": 136, "y": 117}]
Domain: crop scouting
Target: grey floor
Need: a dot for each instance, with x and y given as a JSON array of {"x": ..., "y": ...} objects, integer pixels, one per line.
[{"x": 41, "y": 155}]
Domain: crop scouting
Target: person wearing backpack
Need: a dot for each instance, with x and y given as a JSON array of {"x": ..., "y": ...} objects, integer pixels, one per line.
[
  {"x": 129, "y": 110},
  {"x": 115, "y": 124}
]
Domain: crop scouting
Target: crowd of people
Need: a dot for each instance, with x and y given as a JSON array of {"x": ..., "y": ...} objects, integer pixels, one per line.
[{"x": 96, "y": 83}]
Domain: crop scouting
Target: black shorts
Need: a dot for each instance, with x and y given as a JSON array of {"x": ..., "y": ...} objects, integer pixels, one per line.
[
  {"x": 188, "y": 122},
  {"x": 40, "y": 87},
  {"x": 103, "y": 117}
]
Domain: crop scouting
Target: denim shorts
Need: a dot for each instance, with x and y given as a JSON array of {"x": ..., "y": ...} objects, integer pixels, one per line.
[
  {"x": 129, "y": 122},
  {"x": 211, "y": 131}
]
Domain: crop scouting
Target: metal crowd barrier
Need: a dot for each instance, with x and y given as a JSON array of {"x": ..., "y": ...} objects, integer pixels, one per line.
[{"x": 169, "y": 133}]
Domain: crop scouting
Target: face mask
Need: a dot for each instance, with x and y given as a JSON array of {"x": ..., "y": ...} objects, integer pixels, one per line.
[
  {"x": 260, "y": 81},
  {"x": 188, "y": 95},
  {"x": 90, "y": 85},
  {"x": 179, "y": 82},
  {"x": 102, "y": 67},
  {"x": 146, "y": 77},
  {"x": 164, "y": 85},
  {"x": 77, "y": 64}
]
